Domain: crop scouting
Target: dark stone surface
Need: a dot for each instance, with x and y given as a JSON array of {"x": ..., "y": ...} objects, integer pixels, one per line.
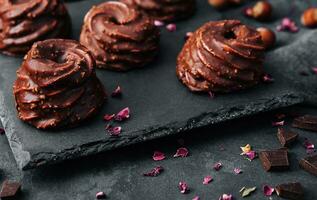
[
  {"x": 160, "y": 105},
  {"x": 119, "y": 173}
]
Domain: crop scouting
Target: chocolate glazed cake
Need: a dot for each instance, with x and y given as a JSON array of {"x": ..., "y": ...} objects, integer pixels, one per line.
[
  {"x": 23, "y": 22},
  {"x": 221, "y": 56},
  {"x": 165, "y": 10},
  {"x": 57, "y": 86},
  {"x": 119, "y": 37}
]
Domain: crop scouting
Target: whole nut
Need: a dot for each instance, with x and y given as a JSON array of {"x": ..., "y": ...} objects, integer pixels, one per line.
[
  {"x": 268, "y": 37},
  {"x": 262, "y": 11},
  {"x": 218, "y": 3},
  {"x": 309, "y": 17}
]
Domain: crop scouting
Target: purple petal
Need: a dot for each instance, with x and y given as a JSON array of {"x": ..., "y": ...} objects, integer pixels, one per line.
[
  {"x": 114, "y": 131},
  {"x": 217, "y": 166},
  {"x": 123, "y": 114},
  {"x": 196, "y": 198},
  {"x": 267, "y": 78},
  {"x": 226, "y": 197},
  {"x": 268, "y": 190},
  {"x": 181, "y": 152},
  {"x": 278, "y": 123},
  {"x": 237, "y": 170},
  {"x": 171, "y": 27},
  {"x": 207, "y": 180},
  {"x": 108, "y": 117},
  {"x": 183, "y": 187},
  {"x": 155, "y": 171},
  {"x": 158, "y": 23},
  {"x": 308, "y": 144},
  {"x": 117, "y": 92},
  {"x": 100, "y": 195},
  {"x": 157, "y": 156},
  {"x": 251, "y": 155}
]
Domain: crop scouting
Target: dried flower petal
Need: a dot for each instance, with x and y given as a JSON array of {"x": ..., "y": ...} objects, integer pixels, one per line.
[
  {"x": 183, "y": 187},
  {"x": 217, "y": 166},
  {"x": 287, "y": 25},
  {"x": 226, "y": 197},
  {"x": 314, "y": 70},
  {"x": 158, "y": 23},
  {"x": 157, "y": 156},
  {"x": 108, "y": 117},
  {"x": 123, "y": 114},
  {"x": 196, "y": 198},
  {"x": 251, "y": 155},
  {"x": 181, "y": 152},
  {"x": 247, "y": 191},
  {"x": 114, "y": 131},
  {"x": 308, "y": 144},
  {"x": 2, "y": 131},
  {"x": 188, "y": 35},
  {"x": 267, "y": 78},
  {"x": 268, "y": 190},
  {"x": 207, "y": 180},
  {"x": 246, "y": 149},
  {"x": 171, "y": 27},
  {"x": 155, "y": 171},
  {"x": 117, "y": 92},
  {"x": 237, "y": 170},
  {"x": 278, "y": 123},
  {"x": 100, "y": 195},
  {"x": 211, "y": 95}
]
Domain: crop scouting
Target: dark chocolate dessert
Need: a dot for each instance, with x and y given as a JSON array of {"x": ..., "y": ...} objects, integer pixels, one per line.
[
  {"x": 120, "y": 37},
  {"x": 57, "y": 86},
  {"x": 221, "y": 56},
  {"x": 24, "y": 22},
  {"x": 165, "y": 10}
]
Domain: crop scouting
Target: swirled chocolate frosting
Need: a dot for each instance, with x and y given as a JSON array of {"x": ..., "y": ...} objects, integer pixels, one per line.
[
  {"x": 23, "y": 22},
  {"x": 165, "y": 10},
  {"x": 57, "y": 86},
  {"x": 221, "y": 56},
  {"x": 119, "y": 36}
]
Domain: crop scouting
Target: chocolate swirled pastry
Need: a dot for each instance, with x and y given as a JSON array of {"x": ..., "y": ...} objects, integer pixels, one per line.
[
  {"x": 23, "y": 22},
  {"x": 57, "y": 86},
  {"x": 165, "y": 10},
  {"x": 221, "y": 56},
  {"x": 120, "y": 37}
]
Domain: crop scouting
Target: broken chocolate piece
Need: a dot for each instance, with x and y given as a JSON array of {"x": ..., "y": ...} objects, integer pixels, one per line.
[
  {"x": 309, "y": 164},
  {"x": 290, "y": 191},
  {"x": 274, "y": 160},
  {"x": 307, "y": 122},
  {"x": 286, "y": 137},
  {"x": 10, "y": 189}
]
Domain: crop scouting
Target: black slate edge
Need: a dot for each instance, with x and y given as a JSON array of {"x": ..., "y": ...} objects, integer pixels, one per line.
[{"x": 217, "y": 116}]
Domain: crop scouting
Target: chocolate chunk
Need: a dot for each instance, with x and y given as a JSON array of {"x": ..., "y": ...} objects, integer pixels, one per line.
[
  {"x": 309, "y": 164},
  {"x": 221, "y": 56},
  {"x": 286, "y": 137},
  {"x": 292, "y": 191},
  {"x": 307, "y": 122},
  {"x": 10, "y": 189},
  {"x": 274, "y": 160}
]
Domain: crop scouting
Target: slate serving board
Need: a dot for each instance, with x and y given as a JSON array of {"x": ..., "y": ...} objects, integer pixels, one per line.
[{"x": 159, "y": 103}]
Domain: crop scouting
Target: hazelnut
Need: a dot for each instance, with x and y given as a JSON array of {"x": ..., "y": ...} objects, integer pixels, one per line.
[
  {"x": 224, "y": 3},
  {"x": 262, "y": 11},
  {"x": 309, "y": 17},
  {"x": 268, "y": 37}
]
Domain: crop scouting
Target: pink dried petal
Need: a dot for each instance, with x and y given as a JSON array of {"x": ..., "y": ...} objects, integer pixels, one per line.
[
  {"x": 157, "y": 156},
  {"x": 155, "y": 171},
  {"x": 188, "y": 35},
  {"x": 183, "y": 187},
  {"x": 278, "y": 123},
  {"x": 211, "y": 95},
  {"x": 196, "y": 198},
  {"x": 181, "y": 152},
  {"x": 267, "y": 78},
  {"x": 217, "y": 166},
  {"x": 207, "y": 180},
  {"x": 158, "y": 23},
  {"x": 251, "y": 155},
  {"x": 100, "y": 195},
  {"x": 308, "y": 144},
  {"x": 314, "y": 70},
  {"x": 123, "y": 114},
  {"x": 108, "y": 117},
  {"x": 237, "y": 170},
  {"x": 287, "y": 25},
  {"x": 248, "y": 12},
  {"x": 117, "y": 92},
  {"x": 2, "y": 131},
  {"x": 226, "y": 197},
  {"x": 268, "y": 190},
  {"x": 171, "y": 27},
  {"x": 114, "y": 131}
]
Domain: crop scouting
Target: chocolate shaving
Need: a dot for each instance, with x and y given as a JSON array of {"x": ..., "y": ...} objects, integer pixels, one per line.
[
  {"x": 309, "y": 164},
  {"x": 286, "y": 137},
  {"x": 307, "y": 122},
  {"x": 274, "y": 160},
  {"x": 292, "y": 191}
]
